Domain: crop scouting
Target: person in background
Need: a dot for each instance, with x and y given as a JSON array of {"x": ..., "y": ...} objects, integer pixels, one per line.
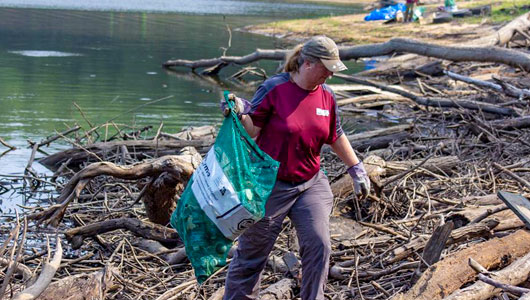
[
  {"x": 410, "y": 10},
  {"x": 292, "y": 115}
]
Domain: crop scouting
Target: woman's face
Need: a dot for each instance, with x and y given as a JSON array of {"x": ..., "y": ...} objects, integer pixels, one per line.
[{"x": 316, "y": 73}]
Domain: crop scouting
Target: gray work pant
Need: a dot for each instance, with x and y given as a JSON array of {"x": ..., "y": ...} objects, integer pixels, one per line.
[{"x": 308, "y": 205}]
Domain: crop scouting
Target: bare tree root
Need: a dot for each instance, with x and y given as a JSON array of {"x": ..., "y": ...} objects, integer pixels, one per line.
[{"x": 180, "y": 167}]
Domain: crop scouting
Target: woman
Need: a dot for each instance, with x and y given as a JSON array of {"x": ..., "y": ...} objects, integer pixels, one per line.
[{"x": 292, "y": 115}]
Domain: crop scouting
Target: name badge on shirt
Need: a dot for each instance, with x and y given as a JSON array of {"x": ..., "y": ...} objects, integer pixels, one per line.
[{"x": 322, "y": 112}]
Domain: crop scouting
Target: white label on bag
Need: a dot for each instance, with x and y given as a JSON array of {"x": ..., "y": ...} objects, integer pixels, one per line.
[{"x": 218, "y": 199}]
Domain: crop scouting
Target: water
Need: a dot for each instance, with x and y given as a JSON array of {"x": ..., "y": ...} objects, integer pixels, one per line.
[{"x": 106, "y": 56}]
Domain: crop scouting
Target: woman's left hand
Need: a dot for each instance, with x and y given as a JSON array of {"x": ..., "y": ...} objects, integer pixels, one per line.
[
  {"x": 361, "y": 181},
  {"x": 241, "y": 106}
]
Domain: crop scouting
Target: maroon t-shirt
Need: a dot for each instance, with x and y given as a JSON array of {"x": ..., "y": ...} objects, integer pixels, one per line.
[{"x": 295, "y": 124}]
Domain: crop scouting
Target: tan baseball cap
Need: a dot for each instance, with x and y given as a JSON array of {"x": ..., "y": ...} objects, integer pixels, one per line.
[{"x": 324, "y": 48}]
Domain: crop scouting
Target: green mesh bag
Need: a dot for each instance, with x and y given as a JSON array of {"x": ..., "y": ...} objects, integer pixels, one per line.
[{"x": 226, "y": 195}]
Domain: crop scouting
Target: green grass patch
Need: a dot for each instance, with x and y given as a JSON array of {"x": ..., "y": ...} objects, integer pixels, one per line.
[{"x": 504, "y": 11}]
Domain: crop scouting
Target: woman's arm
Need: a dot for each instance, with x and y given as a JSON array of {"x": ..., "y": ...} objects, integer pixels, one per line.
[
  {"x": 252, "y": 130},
  {"x": 344, "y": 151},
  {"x": 361, "y": 181}
]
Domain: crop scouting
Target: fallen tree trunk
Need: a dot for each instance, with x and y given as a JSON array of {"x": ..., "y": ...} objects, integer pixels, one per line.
[
  {"x": 480, "y": 54},
  {"x": 474, "y": 214},
  {"x": 378, "y": 139},
  {"x": 448, "y": 275},
  {"x": 509, "y": 57}
]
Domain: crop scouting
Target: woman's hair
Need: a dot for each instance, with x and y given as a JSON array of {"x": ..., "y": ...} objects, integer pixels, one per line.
[{"x": 295, "y": 59}]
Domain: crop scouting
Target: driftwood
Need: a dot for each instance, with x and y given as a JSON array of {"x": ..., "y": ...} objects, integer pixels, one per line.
[
  {"x": 378, "y": 138},
  {"x": 506, "y": 88},
  {"x": 20, "y": 269},
  {"x": 377, "y": 167},
  {"x": 491, "y": 199},
  {"x": 171, "y": 256},
  {"x": 456, "y": 235},
  {"x": 56, "y": 137},
  {"x": 514, "y": 274},
  {"x": 139, "y": 149},
  {"x": 506, "y": 33},
  {"x": 180, "y": 167},
  {"x": 488, "y": 53},
  {"x": 45, "y": 277},
  {"x": 144, "y": 229},
  {"x": 91, "y": 286},
  {"x": 2, "y": 142},
  {"x": 367, "y": 99},
  {"x": 436, "y": 102},
  {"x": 355, "y": 138},
  {"x": 435, "y": 245},
  {"x": 206, "y": 132},
  {"x": 381, "y": 142},
  {"x": 448, "y": 275}
]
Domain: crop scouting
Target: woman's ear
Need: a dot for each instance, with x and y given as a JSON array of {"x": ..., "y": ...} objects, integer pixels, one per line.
[{"x": 308, "y": 64}]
